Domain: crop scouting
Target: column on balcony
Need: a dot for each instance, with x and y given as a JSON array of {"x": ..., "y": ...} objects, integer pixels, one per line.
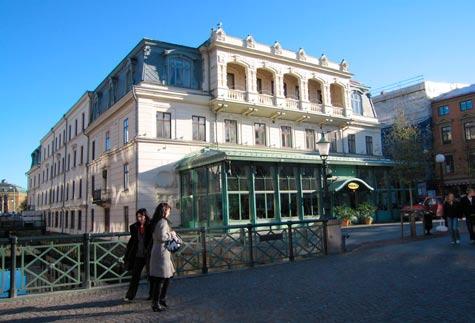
[{"x": 265, "y": 86}]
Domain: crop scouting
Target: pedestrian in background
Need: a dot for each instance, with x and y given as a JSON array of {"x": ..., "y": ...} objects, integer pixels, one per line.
[
  {"x": 161, "y": 265},
  {"x": 137, "y": 254},
  {"x": 453, "y": 213},
  {"x": 468, "y": 209}
]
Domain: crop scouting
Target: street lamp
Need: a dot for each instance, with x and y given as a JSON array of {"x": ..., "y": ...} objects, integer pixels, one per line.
[
  {"x": 324, "y": 150},
  {"x": 440, "y": 159}
]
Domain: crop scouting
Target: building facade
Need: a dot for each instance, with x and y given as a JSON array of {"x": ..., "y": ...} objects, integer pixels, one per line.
[
  {"x": 224, "y": 132},
  {"x": 454, "y": 137},
  {"x": 414, "y": 100},
  {"x": 11, "y": 197}
]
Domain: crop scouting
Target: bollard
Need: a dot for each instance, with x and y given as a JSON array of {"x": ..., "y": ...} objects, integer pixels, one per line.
[
  {"x": 291, "y": 242},
  {"x": 413, "y": 225},
  {"x": 86, "y": 283},
  {"x": 204, "y": 268},
  {"x": 251, "y": 249},
  {"x": 13, "y": 243}
]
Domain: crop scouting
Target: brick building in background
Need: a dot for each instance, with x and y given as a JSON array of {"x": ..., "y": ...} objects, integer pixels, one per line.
[{"x": 453, "y": 116}]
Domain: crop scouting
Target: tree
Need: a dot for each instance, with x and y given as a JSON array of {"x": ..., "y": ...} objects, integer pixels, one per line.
[
  {"x": 23, "y": 205},
  {"x": 405, "y": 147}
]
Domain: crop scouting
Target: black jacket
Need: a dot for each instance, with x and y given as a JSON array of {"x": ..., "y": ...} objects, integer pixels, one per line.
[
  {"x": 468, "y": 209},
  {"x": 132, "y": 245},
  {"x": 452, "y": 210}
]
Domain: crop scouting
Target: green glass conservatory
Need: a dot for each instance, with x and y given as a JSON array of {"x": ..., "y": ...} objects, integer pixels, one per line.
[{"x": 225, "y": 186}]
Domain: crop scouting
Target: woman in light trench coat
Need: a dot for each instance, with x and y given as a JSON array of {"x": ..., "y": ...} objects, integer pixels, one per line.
[{"x": 161, "y": 265}]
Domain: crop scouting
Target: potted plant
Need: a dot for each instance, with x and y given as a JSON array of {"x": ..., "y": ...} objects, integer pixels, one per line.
[
  {"x": 345, "y": 214},
  {"x": 366, "y": 212}
]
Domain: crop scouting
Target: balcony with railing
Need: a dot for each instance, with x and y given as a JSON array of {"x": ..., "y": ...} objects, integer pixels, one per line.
[
  {"x": 101, "y": 197},
  {"x": 236, "y": 95}
]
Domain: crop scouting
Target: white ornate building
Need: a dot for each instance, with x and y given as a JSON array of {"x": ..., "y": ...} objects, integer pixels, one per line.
[{"x": 203, "y": 128}]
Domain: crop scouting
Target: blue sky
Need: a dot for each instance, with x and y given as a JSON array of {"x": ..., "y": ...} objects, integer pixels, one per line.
[{"x": 53, "y": 51}]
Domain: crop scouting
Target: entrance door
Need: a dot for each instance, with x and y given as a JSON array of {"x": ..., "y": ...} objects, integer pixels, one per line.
[{"x": 107, "y": 220}]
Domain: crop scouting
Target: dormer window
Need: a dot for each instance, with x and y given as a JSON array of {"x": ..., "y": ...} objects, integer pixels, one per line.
[
  {"x": 356, "y": 103},
  {"x": 179, "y": 72}
]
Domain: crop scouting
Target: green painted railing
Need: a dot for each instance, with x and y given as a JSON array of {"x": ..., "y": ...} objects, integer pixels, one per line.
[{"x": 62, "y": 262}]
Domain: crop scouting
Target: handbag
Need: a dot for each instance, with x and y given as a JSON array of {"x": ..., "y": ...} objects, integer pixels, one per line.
[
  {"x": 174, "y": 244},
  {"x": 441, "y": 227}
]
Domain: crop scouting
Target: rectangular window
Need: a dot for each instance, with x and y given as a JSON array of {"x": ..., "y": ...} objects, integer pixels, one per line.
[
  {"x": 76, "y": 127},
  {"x": 92, "y": 220},
  {"x": 469, "y": 130},
  {"x": 199, "y": 128},
  {"x": 107, "y": 220},
  {"x": 465, "y": 105},
  {"x": 66, "y": 219},
  {"x": 59, "y": 140},
  {"x": 125, "y": 131},
  {"x": 73, "y": 219},
  {"x": 81, "y": 155},
  {"x": 93, "y": 150},
  {"x": 69, "y": 133},
  {"x": 107, "y": 142},
  {"x": 272, "y": 87},
  {"x": 69, "y": 161},
  {"x": 260, "y": 133},
  {"x": 369, "y": 145},
  {"x": 93, "y": 183},
  {"x": 83, "y": 125},
  {"x": 446, "y": 135},
  {"x": 449, "y": 164},
  {"x": 352, "y": 144},
  {"x": 164, "y": 125},
  {"x": 74, "y": 158},
  {"x": 126, "y": 219},
  {"x": 80, "y": 188},
  {"x": 443, "y": 110},
  {"x": 67, "y": 191},
  {"x": 310, "y": 139},
  {"x": 230, "y": 131},
  {"x": 79, "y": 220},
  {"x": 126, "y": 177},
  {"x": 73, "y": 190},
  {"x": 230, "y": 81},
  {"x": 259, "y": 86},
  {"x": 286, "y": 135}
]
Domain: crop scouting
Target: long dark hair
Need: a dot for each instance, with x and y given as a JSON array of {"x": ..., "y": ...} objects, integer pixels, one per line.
[
  {"x": 144, "y": 213},
  {"x": 160, "y": 214}
]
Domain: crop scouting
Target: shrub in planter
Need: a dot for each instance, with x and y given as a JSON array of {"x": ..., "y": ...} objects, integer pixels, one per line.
[
  {"x": 345, "y": 214},
  {"x": 365, "y": 212}
]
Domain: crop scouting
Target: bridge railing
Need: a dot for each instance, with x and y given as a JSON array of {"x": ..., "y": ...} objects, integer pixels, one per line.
[{"x": 50, "y": 263}]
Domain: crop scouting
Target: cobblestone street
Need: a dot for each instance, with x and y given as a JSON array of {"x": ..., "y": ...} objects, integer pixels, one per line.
[{"x": 421, "y": 281}]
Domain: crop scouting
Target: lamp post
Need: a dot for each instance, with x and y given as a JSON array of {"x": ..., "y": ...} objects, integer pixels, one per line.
[
  {"x": 324, "y": 150},
  {"x": 440, "y": 159}
]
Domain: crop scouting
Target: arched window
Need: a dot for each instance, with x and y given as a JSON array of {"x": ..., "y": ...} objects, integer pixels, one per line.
[
  {"x": 356, "y": 103},
  {"x": 179, "y": 72}
]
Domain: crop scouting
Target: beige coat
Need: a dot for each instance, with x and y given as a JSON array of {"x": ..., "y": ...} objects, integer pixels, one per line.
[{"x": 161, "y": 264}]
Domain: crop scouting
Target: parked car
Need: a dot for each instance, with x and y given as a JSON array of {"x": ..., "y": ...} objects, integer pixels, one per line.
[{"x": 427, "y": 205}]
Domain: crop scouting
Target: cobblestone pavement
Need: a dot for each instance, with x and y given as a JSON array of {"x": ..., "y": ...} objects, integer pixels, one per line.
[{"x": 422, "y": 281}]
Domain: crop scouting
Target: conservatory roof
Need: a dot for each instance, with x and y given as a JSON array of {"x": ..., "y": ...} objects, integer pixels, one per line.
[{"x": 207, "y": 156}]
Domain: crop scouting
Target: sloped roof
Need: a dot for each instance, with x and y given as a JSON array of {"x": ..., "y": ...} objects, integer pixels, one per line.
[
  {"x": 455, "y": 93},
  {"x": 208, "y": 156}
]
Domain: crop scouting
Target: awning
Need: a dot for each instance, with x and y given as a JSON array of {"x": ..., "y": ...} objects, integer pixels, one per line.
[
  {"x": 207, "y": 156},
  {"x": 352, "y": 183}
]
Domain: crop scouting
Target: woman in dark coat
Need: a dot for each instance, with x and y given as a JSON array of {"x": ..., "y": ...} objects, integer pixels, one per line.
[
  {"x": 161, "y": 265},
  {"x": 136, "y": 255},
  {"x": 453, "y": 213}
]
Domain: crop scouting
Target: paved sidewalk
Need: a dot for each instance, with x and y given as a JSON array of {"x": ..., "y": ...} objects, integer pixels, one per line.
[{"x": 422, "y": 281}]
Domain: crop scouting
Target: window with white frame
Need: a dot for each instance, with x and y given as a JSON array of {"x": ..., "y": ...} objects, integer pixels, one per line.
[
  {"x": 199, "y": 128},
  {"x": 310, "y": 139},
  {"x": 286, "y": 135},
  {"x": 125, "y": 131},
  {"x": 260, "y": 133},
  {"x": 230, "y": 131},
  {"x": 107, "y": 141},
  {"x": 126, "y": 177},
  {"x": 164, "y": 125},
  {"x": 356, "y": 103}
]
